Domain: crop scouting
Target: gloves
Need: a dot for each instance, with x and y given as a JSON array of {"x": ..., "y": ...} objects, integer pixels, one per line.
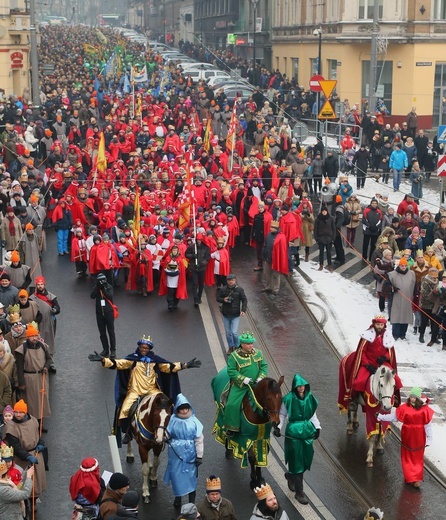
[
  {"x": 247, "y": 381},
  {"x": 198, "y": 461},
  {"x": 317, "y": 434},
  {"x": 371, "y": 368},
  {"x": 95, "y": 357},
  {"x": 382, "y": 359},
  {"x": 276, "y": 432},
  {"x": 39, "y": 448},
  {"x": 32, "y": 460},
  {"x": 258, "y": 379},
  {"x": 193, "y": 363}
]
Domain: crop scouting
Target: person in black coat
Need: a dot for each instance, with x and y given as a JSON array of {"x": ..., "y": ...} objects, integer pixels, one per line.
[
  {"x": 103, "y": 294},
  {"x": 198, "y": 255},
  {"x": 331, "y": 166},
  {"x": 324, "y": 235},
  {"x": 362, "y": 161}
]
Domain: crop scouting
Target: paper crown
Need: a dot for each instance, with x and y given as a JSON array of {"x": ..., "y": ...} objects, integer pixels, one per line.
[
  {"x": 14, "y": 314},
  {"x": 374, "y": 513},
  {"x": 6, "y": 452},
  {"x": 274, "y": 223},
  {"x": 263, "y": 492},
  {"x": 419, "y": 253},
  {"x": 213, "y": 484},
  {"x": 379, "y": 318},
  {"x": 146, "y": 340},
  {"x": 429, "y": 248}
]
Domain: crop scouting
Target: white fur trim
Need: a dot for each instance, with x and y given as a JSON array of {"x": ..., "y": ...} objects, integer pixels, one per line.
[{"x": 388, "y": 339}]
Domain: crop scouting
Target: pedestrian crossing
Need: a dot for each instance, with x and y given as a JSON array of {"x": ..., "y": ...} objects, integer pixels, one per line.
[{"x": 354, "y": 268}]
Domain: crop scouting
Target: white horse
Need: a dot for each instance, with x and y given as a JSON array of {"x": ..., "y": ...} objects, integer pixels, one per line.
[{"x": 382, "y": 387}]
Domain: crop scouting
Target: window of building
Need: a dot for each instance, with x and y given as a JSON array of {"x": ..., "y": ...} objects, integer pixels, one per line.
[
  {"x": 314, "y": 66},
  {"x": 439, "y": 108},
  {"x": 332, "y": 69},
  {"x": 384, "y": 82},
  {"x": 440, "y": 10},
  {"x": 295, "y": 71},
  {"x": 366, "y": 9}
]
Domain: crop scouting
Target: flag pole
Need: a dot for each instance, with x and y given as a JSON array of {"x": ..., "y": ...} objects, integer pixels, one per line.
[{"x": 194, "y": 220}]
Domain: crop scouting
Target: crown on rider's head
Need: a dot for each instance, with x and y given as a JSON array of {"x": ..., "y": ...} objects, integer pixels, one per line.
[
  {"x": 213, "y": 484},
  {"x": 263, "y": 492},
  {"x": 146, "y": 340},
  {"x": 379, "y": 318},
  {"x": 246, "y": 337}
]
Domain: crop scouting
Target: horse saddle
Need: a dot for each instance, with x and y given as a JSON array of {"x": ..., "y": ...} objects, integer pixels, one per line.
[{"x": 133, "y": 409}]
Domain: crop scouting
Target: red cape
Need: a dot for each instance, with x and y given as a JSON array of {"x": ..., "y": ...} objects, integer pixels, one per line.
[
  {"x": 181, "y": 289},
  {"x": 280, "y": 254},
  {"x": 140, "y": 265},
  {"x": 102, "y": 258}
]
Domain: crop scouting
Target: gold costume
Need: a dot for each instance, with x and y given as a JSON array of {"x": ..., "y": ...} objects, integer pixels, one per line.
[{"x": 143, "y": 379}]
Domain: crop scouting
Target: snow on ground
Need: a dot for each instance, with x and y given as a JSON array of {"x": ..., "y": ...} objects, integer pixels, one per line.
[{"x": 345, "y": 308}]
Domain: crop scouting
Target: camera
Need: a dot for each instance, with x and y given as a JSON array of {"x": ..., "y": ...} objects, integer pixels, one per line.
[{"x": 229, "y": 299}]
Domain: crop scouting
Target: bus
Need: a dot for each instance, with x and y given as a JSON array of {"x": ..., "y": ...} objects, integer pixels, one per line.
[
  {"x": 110, "y": 20},
  {"x": 55, "y": 20}
]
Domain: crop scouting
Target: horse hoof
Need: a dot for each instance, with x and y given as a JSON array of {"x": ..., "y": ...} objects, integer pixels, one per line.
[
  {"x": 153, "y": 483},
  {"x": 356, "y": 425},
  {"x": 146, "y": 500},
  {"x": 130, "y": 460},
  {"x": 229, "y": 455},
  {"x": 370, "y": 464},
  {"x": 380, "y": 451},
  {"x": 349, "y": 432}
]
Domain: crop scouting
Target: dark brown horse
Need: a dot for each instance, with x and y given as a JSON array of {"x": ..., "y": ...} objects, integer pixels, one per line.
[
  {"x": 149, "y": 425},
  {"x": 260, "y": 412}
]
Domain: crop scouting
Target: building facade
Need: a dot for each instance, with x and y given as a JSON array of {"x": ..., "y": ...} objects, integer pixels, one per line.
[
  {"x": 411, "y": 57},
  {"x": 14, "y": 49}
]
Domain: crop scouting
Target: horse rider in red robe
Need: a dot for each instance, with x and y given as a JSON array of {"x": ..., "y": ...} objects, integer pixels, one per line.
[{"x": 375, "y": 348}]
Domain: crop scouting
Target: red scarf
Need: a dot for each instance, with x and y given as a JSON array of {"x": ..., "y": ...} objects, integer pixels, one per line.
[
  {"x": 11, "y": 225},
  {"x": 44, "y": 298}
]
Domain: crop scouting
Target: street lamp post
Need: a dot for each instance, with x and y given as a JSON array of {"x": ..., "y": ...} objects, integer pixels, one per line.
[
  {"x": 318, "y": 32},
  {"x": 254, "y": 5},
  {"x": 34, "y": 58}
]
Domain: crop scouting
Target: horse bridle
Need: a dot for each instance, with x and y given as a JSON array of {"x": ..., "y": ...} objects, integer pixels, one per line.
[{"x": 381, "y": 397}]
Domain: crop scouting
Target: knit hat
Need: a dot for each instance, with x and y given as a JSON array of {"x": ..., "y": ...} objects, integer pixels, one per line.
[
  {"x": 8, "y": 409},
  {"x": 285, "y": 207},
  {"x": 40, "y": 279},
  {"x": 118, "y": 481},
  {"x": 15, "y": 257},
  {"x": 338, "y": 199},
  {"x": 395, "y": 219},
  {"x": 23, "y": 292},
  {"x": 29, "y": 226},
  {"x": 31, "y": 330},
  {"x": 189, "y": 511},
  {"x": 5, "y": 276},
  {"x": 21, "y": 406},
  {"x": 415, "y": 392},
  {"x": 130, "y": 499},
  {"x": 403, "y": 261}
]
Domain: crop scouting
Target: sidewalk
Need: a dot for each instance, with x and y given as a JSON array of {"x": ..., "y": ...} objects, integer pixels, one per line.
[{"x": 344, "y": 309}]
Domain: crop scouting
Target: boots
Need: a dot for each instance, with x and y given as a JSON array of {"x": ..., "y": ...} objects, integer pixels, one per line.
[
  {"x": 421, "y": 338},
  {"x": 290, "y": 480},
  {"x": 299, "y": 486},
  {"x": 307, "y": 257},
  {"x": 192, "y": 497},
  {"x": 113, "y": 354},
  {"x": 125, "y": 428},
  {"x": 105, "y": 352},
  {"x": 330, "y": 268},
  {"x": 177, "y": 502},
  {"x": 297, "y": 260},
  {"x": 321, "y": 267},
  {"x": 415, "y": 330}
]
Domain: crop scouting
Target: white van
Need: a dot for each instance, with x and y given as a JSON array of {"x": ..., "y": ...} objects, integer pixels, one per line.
[{"x": 198, "y": 75}]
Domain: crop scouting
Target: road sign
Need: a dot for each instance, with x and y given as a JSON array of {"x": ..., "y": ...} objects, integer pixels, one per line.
[
  {"x": 327, "y": 86},
  {"x": 441, "y": 135},
  {"x": 441, "y": 166},
  {"x": 314, "y": 83},
  {"x": 327, "y": 111}
]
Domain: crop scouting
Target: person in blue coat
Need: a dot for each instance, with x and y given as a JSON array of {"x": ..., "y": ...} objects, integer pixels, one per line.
[{"x": 185, "y": 451}]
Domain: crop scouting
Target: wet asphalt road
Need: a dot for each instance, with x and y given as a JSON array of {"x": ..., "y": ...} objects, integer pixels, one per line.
[{"x": 82, "y": 399}]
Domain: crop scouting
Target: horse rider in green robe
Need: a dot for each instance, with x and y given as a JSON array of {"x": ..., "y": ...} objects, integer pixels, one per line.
[{"x": 246, "y": 366}]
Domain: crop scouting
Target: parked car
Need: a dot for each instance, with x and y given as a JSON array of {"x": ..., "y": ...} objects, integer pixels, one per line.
[
  {"x": 198, "y": 75},
  {"x": 199, "y": 66}
]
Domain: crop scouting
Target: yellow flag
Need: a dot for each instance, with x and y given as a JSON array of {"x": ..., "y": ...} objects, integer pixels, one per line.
[{"x": 101, "y": 163}]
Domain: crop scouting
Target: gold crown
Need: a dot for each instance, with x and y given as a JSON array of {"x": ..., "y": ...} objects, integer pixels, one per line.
[
  {"x": 213, "y": 484},
  {"x": 274, "y": 223},
  {"x": 263, "y": 492},
  {"x": 429, "y": 248},
  {"x": 6, "y": 452},
  {"x": 14, "y": 313},
  {"x": 34, "y": 324},
  {"x": 14, "y": 309},
  {"x": 419, "y": 253},
  {"x": 3, "y": 467}
]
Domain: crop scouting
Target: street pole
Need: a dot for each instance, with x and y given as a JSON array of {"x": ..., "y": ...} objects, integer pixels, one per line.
[
  {"x": 254, "y": 5},
  {"x": 35, "y": 92},
  {"x": 373, "y": 58},
  {"x": 319, "y": 71}
]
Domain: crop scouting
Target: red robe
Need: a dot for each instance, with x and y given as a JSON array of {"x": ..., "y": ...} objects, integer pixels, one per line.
[
  {"x": 78, "y": 250},
  {"x": 103, "y": 257},
  {"x": 289, "y": 228},
  {"x": 141, "y": 265},
  {"x": 280, "y": 254},
  {"x": 413, "y": 436},
  {"x": 233, "y": 231}
]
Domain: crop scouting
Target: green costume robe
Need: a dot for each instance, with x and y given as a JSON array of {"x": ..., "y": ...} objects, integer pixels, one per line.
[
  {"x": 240, "y": 365},
  {"x": 300, "y": 430}
]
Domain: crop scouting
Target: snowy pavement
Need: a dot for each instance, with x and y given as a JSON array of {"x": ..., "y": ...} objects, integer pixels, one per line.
[{"x": 345, "y": 308}]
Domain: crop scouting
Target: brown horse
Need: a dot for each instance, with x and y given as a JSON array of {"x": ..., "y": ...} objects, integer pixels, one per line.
[
  {"x": 260, "y": 412},
  {"x": 148, "y": 426}
]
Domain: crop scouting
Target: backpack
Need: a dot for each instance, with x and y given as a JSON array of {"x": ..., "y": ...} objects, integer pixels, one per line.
[{"x": 347, "y": 217}]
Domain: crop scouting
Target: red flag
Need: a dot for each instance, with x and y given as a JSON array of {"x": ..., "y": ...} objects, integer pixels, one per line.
[{"x": 185, "y": 202}]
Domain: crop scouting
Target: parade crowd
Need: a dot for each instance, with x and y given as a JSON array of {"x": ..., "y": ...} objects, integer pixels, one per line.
[{"x": 147, "y": 192}]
